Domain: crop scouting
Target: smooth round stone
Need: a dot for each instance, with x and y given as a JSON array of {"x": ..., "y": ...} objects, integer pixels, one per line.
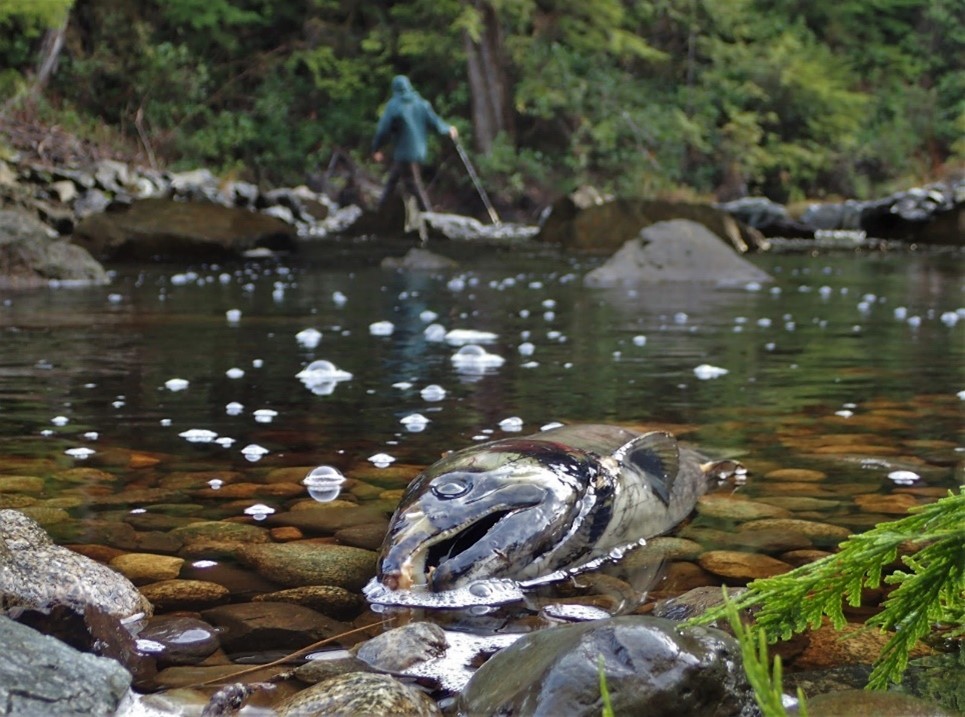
[
  {"x": 368, "y": 536},
  {"x": 330, "y": 600},
  {"x": 46, "y": 516},
  {"x": 796, "y": 475},
  {"x": 324, "y": 520},
  {"x": 865, "y": 702},
  {"x": 728, "y": 507},
  {"x": 198, "y": 480},
  {"x": 138, "y": 497},
  {"x": 796, "y": 504},
  {"x": 741, "y": 566},
  {"x": 222, "y": 532},
  {"x": 828, "y": 647},
  {"x": 400, "y": 648},
  {"x": 397, "y": 475},
  {"x": 285, "y": 534},
  {"x": 16, "y": 501},
  {"x": 771, "y": 541},
  {"x": 265, "y": 626},
  {"x": 681, "y": 576},
  {"x": 186, "y": 640},
  {"x": 693, "y": 602},
  {"x": 857, "y": 449},
  {"x": 143, "y": 568},
  {"x": 299, "y": 564},
  {"x": 338, "y": 503},
  {"x": 157, "y": 521},
  {"x": 364, "y": 491},
  {"x": 184, "y": 594},
  {"x": 797, "y": 558},
  {"x": 895, "y": 504},
  {"x": 359, "y": 693},
  {"x": 820, "y": 533},
  {"x": 668, "y": 548},
  {"x": 260, "y": 491},
  {"x": 30, "y": 485},
  {"x": 67, "y": 502},
  {"x": 288, "y": 474},
  {"x": 317, "y": 670},
  {"x": 84, "y": 475}
]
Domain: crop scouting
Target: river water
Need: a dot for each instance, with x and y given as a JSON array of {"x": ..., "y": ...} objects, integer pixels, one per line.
[{"x": 852, "y": 364}]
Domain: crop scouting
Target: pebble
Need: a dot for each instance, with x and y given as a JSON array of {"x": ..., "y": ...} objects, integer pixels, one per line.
[
  {"x": 828, "y": 647},
  {"x": 143, "y": 568},
  {"x": 359, "y": 693},
  {"x": 820, "y": 533},
  {"x": 796, "y": 475},
  {"x": 797, "y": 558},
  {"x": 329, "y": 600},
  {"x": 693, "y": 602},
  {"x": 221, "y": 532},
  {"x": 30, "y": 485},
  {"x": 736, "y": 565},
  {"x": 400, "y": 648},
  {"x": 285, "y": 534},
  {"x": 304, "y": 563},
  {"x": 251, "y": 491},
  {"x": 317, "y": 670},
  {"x": 186, "y": 640},
  {"x": 324, "y": 520},
  {"x": 167, "y": 595},
  {"x": 865, "y": 702},
  {"x": 800, "y": 503},
  {"x": 895, "y": 504},
  {"x": 369, "y": 536},
  {"x": 729, "y": 507}
]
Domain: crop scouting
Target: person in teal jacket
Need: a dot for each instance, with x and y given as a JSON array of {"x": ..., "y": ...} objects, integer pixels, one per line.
[{"x": 406, "y": 122}]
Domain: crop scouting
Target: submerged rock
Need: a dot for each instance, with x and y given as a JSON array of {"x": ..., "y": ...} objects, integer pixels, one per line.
[
  {"x": 864, "y": 702},
  {"x": 676, "y": 251},
  {"x": 651, "y": 666},
  {"x": 36, "y": 573},
  {"x": 398, "y": 649},
  {"x": 298, "y": 564},
  {"x": 40, "y": 675}
]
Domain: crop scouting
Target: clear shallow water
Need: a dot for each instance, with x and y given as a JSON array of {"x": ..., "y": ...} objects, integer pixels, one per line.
[{"x": 824, "y": 337}]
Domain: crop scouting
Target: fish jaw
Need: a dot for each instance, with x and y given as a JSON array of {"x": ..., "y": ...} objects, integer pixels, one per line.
[{"x": 438, "y": 544}]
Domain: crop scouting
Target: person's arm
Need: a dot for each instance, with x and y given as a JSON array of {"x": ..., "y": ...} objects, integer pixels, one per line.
[
  {"x": 382, "y": 132},
  {"x": 438, "y": 124}
]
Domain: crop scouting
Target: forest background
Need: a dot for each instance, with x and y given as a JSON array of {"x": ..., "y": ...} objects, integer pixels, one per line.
[{"x": 790, "y": 99}]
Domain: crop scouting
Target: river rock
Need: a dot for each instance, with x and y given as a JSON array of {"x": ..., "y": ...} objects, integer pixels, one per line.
[
  {"x": 31, "y": 485},
  {"x": 736, "y": 565},
  {"x": 822, "y": 534},
  {"x": 317, "y": 670},
  {"x": 220, "y": 532},
  {"x": 676, "y": 251},
  {"x": 419, "y": 260},
  {"x": 30, "y": 257},
  {"x": 400, "y": 648},
  {"x": 157, "y": 228},
  {"x": 183, "y": 640},
  {"x": 359, "y": 693},
  {"x": 828, "y": 647},
  {"x": 298, "y": 564},
  {"x": 652, "y": 667},
  {"x": 322, "y": 519},
  {"x": 865, "y": 702},
  {"x": 184, "y": 594},
  {"x": 331, "y": 601},
  {"x": 693, "y": 602},
  {"x": 36, "y": 573},
  {"x": 41, "y": 676},
  {"x": 729, "y": 507},
  {"x": 894, "y": 504},
  {"x": 606, "y": 226},
  {"x": 142, "y": 568},
  {"x": 261, "y": 626},
  {"x": 368, "y": 536}
]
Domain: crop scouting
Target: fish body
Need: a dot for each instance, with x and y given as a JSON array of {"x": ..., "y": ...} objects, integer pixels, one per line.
[{"x": 524, "y": 507}]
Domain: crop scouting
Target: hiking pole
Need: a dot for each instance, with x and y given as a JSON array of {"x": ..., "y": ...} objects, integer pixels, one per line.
[{"x": 475, "y": 180}]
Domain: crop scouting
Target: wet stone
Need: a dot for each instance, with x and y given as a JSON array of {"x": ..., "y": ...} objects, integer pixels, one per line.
[
  {"x": 800, "y": 503},
  {"x": 797, "y": 558},
  {"x": 186, "y": 640},
  {"x": 727, "y": 507},
  {"x": 828, "y": 647},
  {"x": 144, "y": 568},
  {"x": 16, "y": 501},
  {"x": 368, "y": 536},
  {"x": 285, "y": 534},
  {"x": 652, "y": 667},
  {"x": 250, "y": 491},
  {"x": 221, "y": 531},
  {"x": 821, "y": 533},
  {"x": 317, "y": 670},
  {"x": 692, "y": 603},
  {"x": 157, "y": 521},
  {"x": 400, "y": 648},
  {"x": 83, "y": 475},
  {"x": 796, "y": 475},
  {"x": 359, "y": 693},
  {"x": 865, "y": 702},
  {"x": 137, "y": 497},
  {"x": 36, "y": 573},
  {"x": 329, "y": 600},
  {"x": 735, "y": 565},
  {"x": 395, "y": 476},
  {"x": 168, "y": 595},
  {"x": 46, "y": 516},
  {"x": 680, "y": 576},
  {"x": 324, "y": 520},
  {"x": 896, "y": 504},
  {"x": 198, "y": 480},
  {"x": 29, "y": 485},
  {"x": 261, "y": 626},
  {"x": 298, "y": 564}
]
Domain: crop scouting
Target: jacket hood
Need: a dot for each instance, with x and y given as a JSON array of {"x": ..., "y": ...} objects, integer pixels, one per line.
[{"x": 401, "y": 87}]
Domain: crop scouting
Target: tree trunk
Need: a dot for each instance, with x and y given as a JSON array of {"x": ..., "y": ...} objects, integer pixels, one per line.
[
  {"x": 49, "y": 52},
  {"x": 488, "y": 81}
]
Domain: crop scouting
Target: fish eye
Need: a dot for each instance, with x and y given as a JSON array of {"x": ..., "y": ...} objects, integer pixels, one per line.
[{"x": 452, "y": 487}]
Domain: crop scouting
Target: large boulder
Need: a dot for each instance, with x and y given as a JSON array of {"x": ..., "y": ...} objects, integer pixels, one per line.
[
  {"x": 652, "y": 667},
  {"x": 676, "y": 251},
  {"x": 30, "y": 256},
  {"x": 40, "y": 676},
  {"x": 606, "y": 226},
  {"x": 169, "y": 230}
]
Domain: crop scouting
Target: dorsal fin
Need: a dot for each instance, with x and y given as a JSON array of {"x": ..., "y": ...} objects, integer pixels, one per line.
[{"x": 657, "y": 456}]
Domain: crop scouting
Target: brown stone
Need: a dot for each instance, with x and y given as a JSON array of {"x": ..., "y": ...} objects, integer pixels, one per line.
[
  {"x": 731, "y": 507},
  {"x": 852, "y": 645},
  {"x": 796, "y": 475},
  {"x": 735, "y": 565},
  {"x": 820, "y": 533},
  {"x": 895, "y": 504},
  {"x": 285, "y": 534},
  {"x": 797, "y": 558},
  {"x": 183, "y": 594}
]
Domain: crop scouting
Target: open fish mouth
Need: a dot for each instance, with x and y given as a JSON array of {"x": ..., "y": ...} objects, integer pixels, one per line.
[{"x": 419, "y": 567}]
